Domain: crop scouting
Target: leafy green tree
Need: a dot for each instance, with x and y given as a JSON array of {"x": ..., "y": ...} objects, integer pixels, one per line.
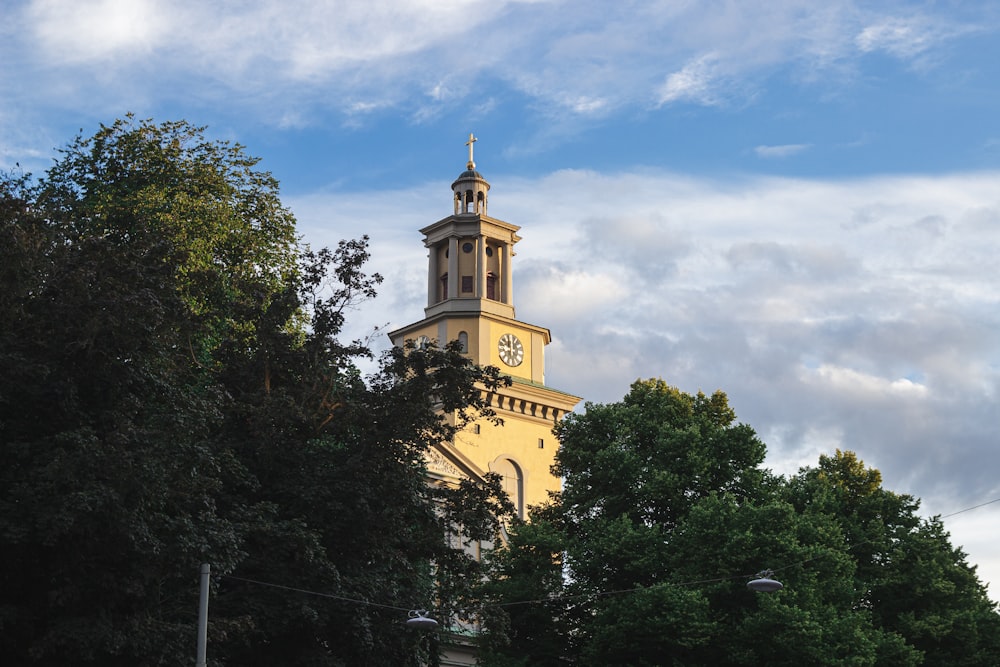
[
  {"x": 340, "y": 463},
  {"x": 665, "y": 514},
  {"x": 632, "y": 472},
  {"x": 108, "y": 478},
  {"x": 914, "y": 582},
  {"x": 219, "y": 219},
  {"x": 528, "y": 578},
  {"x": 815, "y": 619},
  {"x": 178, "y": 393}
]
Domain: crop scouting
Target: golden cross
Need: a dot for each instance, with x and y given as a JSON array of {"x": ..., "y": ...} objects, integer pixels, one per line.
[{"x": 472, "y": 140}]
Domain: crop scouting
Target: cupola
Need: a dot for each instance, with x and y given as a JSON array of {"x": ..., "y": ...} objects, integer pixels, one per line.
[{"x": 470, "y": 188}]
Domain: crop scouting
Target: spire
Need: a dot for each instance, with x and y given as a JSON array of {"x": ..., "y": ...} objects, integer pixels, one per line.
[{"x": 470, "y": 188}]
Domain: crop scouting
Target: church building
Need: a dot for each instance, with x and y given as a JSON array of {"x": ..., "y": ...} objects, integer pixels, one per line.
[{"x": 470, "y": 298}]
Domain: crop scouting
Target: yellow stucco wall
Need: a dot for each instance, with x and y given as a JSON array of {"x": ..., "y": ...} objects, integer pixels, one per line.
[{"x": 516, "y": 440}]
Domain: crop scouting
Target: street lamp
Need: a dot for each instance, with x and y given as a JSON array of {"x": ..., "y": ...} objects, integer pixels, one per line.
[
  {"x": 420, "y": 620},
  {"x": 764, "y": 582}
]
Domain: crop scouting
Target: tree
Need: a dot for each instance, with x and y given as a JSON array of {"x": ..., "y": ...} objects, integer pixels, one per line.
[
  {"x": 914, "y": 582},
  {"x": 527, "y": 578},
  {"x": 219, "y": 220},
  {"x": 632, "y": 472},
  {"x": 664, "y": 515},
  {"x": 177, "y": 393},
  {"x": 108, "y": 478},
  {"x": 340, "y": 463}
]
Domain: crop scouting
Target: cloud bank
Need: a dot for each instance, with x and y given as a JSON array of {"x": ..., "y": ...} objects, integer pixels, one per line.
[
  {"x": 857, "y": 314},
  {"x": 867, "y": 306}
]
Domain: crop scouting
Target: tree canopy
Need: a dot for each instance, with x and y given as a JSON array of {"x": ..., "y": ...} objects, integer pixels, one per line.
[
  {"x": 177, "y": 393},
  {"x": 666, "y": 512}
]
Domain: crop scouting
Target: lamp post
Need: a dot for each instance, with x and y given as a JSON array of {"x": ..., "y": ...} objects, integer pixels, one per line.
[{"x": 206, "y": 571}]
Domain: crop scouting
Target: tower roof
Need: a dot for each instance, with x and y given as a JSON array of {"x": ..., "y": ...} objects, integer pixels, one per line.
[
  {"x": 470, "y": 188},
  {"x": 469, "y": 173},
  {"x": 469, "y": 176}
]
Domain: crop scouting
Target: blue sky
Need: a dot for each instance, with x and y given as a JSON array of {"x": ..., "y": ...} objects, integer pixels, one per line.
[{"x": 795, "y": 202}]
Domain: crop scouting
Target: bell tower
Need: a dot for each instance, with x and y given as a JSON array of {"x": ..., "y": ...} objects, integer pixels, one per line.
[
  {"x": 470, "y": 298},
  {"x": 470, "y": 253}
]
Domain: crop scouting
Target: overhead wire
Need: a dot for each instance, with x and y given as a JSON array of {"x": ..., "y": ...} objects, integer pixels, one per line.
[
  {"x": 318, "y": 593},
  {"x": 594, "y": 594},
  {"x": 969, "y": 509}
]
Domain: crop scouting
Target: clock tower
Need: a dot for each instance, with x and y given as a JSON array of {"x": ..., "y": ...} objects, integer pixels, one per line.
[{"x": 470, "y": 299}]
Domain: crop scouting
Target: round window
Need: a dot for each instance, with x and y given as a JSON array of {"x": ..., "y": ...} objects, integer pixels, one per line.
[{"x": 466, "y": 247}]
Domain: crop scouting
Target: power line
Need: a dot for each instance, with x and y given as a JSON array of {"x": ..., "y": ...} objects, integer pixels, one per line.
[
  {"x": 974, "y": 507},
  {"x": 317, "y": 593},
  {"x": 595, "y": 594}
]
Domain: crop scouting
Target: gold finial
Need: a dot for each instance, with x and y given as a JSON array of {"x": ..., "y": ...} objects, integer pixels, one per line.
[{"x": 472, "y": 140}]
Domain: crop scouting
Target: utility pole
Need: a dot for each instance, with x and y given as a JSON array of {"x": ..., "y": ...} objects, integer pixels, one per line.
[{"x": 206, "y": 570}]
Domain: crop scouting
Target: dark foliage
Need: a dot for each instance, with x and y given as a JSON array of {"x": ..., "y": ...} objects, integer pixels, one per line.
[
  {"x": 177, "y": 393},
  {"x": 643, "y": 558}
]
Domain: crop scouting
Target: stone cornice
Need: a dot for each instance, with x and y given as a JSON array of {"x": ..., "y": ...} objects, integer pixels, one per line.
[
  {"x": 531, "y": 400},
  {"x": 399, "y": 335},
  {"x": 469, "y": 224}
]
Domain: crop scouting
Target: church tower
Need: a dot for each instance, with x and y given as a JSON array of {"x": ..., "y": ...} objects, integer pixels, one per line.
[{"x": 470, "y": 298}]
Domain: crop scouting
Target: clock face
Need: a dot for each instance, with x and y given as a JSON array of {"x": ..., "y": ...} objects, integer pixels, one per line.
[{"x": 511, "y": 350}]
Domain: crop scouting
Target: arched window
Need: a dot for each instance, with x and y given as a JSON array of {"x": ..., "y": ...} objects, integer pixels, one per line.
[
  {"x": 513, "y": 483},
  {"x": 463, "y": 339},
  {"x": 444, "y": 287}
]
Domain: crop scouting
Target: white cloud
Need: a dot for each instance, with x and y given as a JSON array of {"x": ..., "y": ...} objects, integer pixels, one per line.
[
  {"x": 898, "y": 37},
  {"x": 439, "y": 92},
  {"x": 588, "y": 62},
  {"x": 588, "y": 105},
  {"x": 863, "y": 385},
  {"x": 784, "y": 150},
  {"x": 271, "y": 41},
  {"x": 577, "y": 294},
  {"x": 918, "y": 39},
  {"x": 85, "y": 31},
  {"x": 695, "y": 82}
]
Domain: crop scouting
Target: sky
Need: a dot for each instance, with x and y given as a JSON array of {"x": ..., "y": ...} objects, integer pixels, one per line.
[{"x": 797, "y": 203}]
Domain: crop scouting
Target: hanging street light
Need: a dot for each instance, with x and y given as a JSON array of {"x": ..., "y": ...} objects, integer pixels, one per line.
[
  {"x": 764, "y": 583},
  {"x": 420, "y": 620}
]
